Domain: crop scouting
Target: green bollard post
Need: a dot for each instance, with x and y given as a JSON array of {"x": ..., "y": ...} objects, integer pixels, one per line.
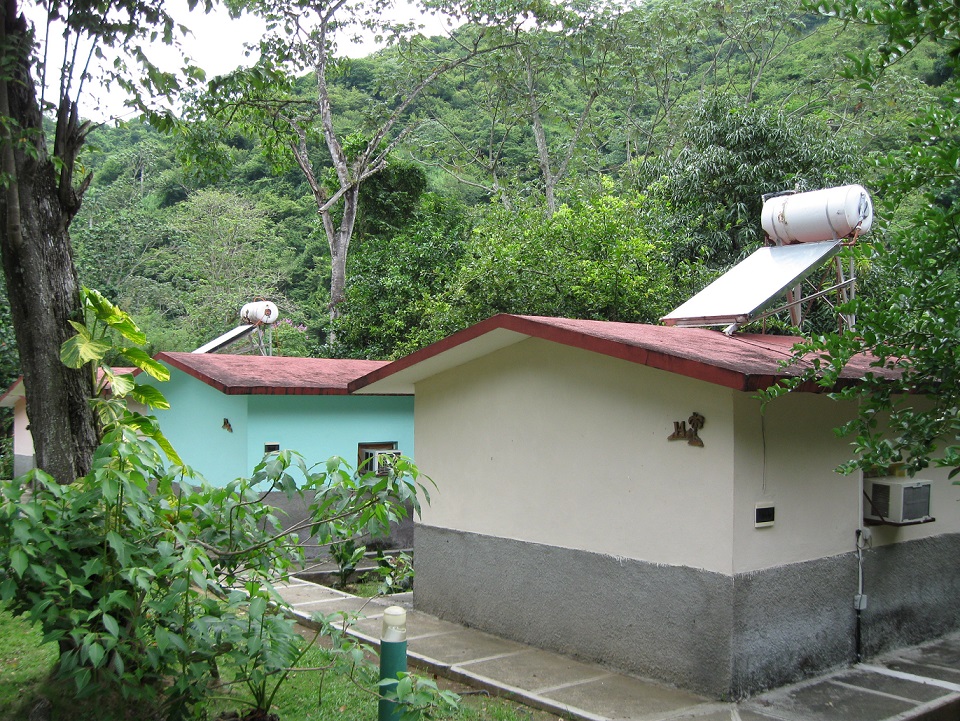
[{"x": 393, "y": 657}]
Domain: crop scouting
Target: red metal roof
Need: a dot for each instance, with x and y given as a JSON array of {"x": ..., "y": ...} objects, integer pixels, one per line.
[
  {"x": 271, "y": 375},
  {"x": 17, "y": 390},
  {"x": 745, "y": 362},
  {"x": 12, "y": 394}
]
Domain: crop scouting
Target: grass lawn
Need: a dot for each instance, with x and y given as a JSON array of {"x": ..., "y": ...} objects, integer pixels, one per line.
[{"x": 25, "y": 667}]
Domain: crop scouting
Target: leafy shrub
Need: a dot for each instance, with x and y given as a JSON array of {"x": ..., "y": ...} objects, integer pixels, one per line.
[
  {"x": 155, "y": 583},
  {"x": 396, "y": 572},
  {"x": 347, "y": 555}
]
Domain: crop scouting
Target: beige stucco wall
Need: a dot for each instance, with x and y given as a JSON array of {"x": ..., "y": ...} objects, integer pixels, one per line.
[
  {"x": 549, "y": 444},
  {"x": 787, "y": 456},
  {"x": 22, "y": 438}
]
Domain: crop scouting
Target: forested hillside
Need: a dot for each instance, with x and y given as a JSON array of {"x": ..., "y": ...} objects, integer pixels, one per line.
[{"x": 605, "y": 169}]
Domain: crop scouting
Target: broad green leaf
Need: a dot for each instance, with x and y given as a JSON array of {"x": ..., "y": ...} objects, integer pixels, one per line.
[
  {"x": 167, "y": 448},
  {"x": 150, "y": 397},
  {"x": 148, "y": 428},
  {"x": 110, "y": 623},
  {"x": 109, "y": 314},
  {"x": 82, "y": 349},
  {"x": 120, "y": 384},
  {"x": 19, "y": 561},
  {"x": 144, "y": 362},
  {"x": 96, "y": 654},
  {"x": 119, "y": 546}
]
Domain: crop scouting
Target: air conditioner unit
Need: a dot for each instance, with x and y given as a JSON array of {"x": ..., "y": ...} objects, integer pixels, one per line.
[
  {"x": 378, "y": 461},
  {"x": 896, "y": 500}
]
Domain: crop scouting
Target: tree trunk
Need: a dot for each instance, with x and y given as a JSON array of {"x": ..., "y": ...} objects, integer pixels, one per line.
[
  {"x": 339, "y": 241},
  {"x": 42, "y": 283}
]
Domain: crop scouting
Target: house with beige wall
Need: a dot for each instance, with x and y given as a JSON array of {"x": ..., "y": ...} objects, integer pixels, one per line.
[
  {"x": 617, "y": 492},
  {"x": 15, "y": 398}
]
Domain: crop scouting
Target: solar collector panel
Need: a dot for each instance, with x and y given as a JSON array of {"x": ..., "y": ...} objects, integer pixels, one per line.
[{"x": 752, "y": 285}]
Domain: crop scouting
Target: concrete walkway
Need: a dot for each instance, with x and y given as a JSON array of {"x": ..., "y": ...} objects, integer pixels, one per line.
[{"x": 918, "y": 683}]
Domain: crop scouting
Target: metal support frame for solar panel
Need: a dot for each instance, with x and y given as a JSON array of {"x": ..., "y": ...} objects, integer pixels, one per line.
[{"x": 743, "y": 292}]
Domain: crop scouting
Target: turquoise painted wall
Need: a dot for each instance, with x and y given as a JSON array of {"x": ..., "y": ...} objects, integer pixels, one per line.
[
  {"x": 317, "y": 427},
  {"x": 194, "y": 425}
]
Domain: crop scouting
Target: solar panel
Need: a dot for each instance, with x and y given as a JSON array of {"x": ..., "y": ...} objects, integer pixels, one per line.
[
  {"x": 749, "y": 287},
  {"x": 221, "y": 342}
]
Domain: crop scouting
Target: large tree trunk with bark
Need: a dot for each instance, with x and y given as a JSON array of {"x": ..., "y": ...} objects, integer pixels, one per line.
[
  {"x": 338, "y": 238},
  {"x": 37, "y": 205}
]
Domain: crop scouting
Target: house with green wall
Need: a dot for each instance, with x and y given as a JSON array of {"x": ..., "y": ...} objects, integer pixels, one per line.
[{"x": 226, "y": 411}]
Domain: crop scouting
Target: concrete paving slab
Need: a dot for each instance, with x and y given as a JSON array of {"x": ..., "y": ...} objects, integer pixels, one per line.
[
  {"x": 420, "y": 625},
  {"x": 327, "y": 606},
  {"x": 308, "y": 592},
  {"x": 945, "y": 652},
  {"x": 584, "y": 692},
  {"x": 623, "y": 697},
  {"x": 748, "y": 715},
  {"x": 464, "y": 646},
  {"x": 828, "y": 701},
  {"x": 698, "y": 715},
  {"x": 369, "y": 626},
  {"x": 535, "y": 670},
  {"x": 900, "y": 688},
  {"x": 729, "y": 712},
  {"x": 396, "y": 599},
  {"x": 288, "y": 584},
  {"x": 942, "y": 673}
]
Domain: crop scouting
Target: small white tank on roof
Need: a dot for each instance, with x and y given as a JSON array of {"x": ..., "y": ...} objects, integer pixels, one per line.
[
  {"x": 263, "y": 311},
  {"x": 819, "y": 215}
]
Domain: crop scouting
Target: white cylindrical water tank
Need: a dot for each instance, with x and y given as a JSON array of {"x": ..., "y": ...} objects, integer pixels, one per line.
[
  {"x": 263, "y": 311},
  {"x": 818, "y": 215}
]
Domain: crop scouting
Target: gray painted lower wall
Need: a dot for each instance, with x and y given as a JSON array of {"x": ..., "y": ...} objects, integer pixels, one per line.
[
  {"x": 791, "y": 622},
  {"x": 913, "y": 592},
  {"x": 23, "y": 464},
  {"x": 723, "y": 636},
  {"x": 658, "y": 621},
  {"x": 295, "y": 510}
]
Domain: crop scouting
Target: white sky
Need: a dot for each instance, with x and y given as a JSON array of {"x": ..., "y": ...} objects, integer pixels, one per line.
[{"x": 217, "y": 45}]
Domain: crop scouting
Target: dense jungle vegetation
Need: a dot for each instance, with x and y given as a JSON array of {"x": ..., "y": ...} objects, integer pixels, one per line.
[{"x": 603, "y": 171}]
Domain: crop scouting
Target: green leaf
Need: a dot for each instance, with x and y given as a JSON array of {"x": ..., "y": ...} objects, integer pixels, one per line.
[
  {"x": 96, "y": 654},
  {"x": 147, "y": 427},
  {"x": 150, "y": 397},
  {"x": 165, "y": 445},
  {"x": 258, "y": 606},
  {"x": 144, "y": 362},
  {"x": 82, "y": 349},
  {"x": 112, "y": 316},
  {"x": 110, "y": 623},
  {"x": 119, "y": 546},
  {"x": 120, "y": 384},
  {"x": 18, "y": 561}
]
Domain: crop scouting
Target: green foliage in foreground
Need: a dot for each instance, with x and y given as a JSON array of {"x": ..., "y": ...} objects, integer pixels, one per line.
[
  {"x": 26, "y": 664},
  {"x": 158, "y": 591}
]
